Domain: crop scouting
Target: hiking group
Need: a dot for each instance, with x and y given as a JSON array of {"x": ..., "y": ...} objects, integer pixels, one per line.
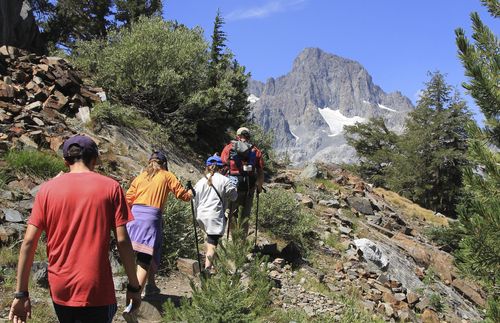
[{"x": 77, "y": 211}]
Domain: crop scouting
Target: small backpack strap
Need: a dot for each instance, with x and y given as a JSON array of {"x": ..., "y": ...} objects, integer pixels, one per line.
[{"x": 216, "y": 192}]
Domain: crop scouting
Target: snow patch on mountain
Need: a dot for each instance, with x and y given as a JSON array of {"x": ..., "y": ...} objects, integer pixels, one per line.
[
  {"x": 252, "y": 98},
  {"x": 336, "y": 120},
  {"x": 381, "y": 106}
]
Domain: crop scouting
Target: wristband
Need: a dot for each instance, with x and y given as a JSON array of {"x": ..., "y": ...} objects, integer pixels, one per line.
[
  {"x": 133, "y": 289},
  {"x": 20, "y": 295}
]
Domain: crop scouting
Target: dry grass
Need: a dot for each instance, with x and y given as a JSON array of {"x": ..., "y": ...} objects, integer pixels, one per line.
[{"x": 411, "y": 209}]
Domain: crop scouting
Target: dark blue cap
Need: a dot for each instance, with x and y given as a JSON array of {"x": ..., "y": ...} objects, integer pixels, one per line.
[
  {"x": 86, "y": 144},
  {"x": 160, "y": 155}
]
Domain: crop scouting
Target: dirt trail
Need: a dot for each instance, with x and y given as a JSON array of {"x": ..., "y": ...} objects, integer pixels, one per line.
[{"x": 174, "y": 288}]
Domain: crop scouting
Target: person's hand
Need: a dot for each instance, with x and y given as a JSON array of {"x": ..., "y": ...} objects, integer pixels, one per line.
[
  {"x": 20, "y": 310},
  {"x": 259, "y": 188},
  {"x": 135, "y": 298}
]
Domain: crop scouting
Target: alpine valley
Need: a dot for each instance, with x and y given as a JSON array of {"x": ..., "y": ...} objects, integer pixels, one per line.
[{"x": 307, "y": 108}]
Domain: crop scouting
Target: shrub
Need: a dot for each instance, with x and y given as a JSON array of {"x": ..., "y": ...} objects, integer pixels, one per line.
[
  {"x": 436, "y": 301},
  {"x": 447, "y": 238},
  {"x": 36, "y": 163},
  {"x": 178, "y": 234},
  {"x": 239, "y": 292},
  {"x": 120, "y": 115},
  {"x": 281, "y": 214},
  {"x": 162, "y": 68}
]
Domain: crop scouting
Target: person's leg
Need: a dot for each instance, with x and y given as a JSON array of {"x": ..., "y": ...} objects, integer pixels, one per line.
[
  {"x": 247, "y": 210},
  {"x": 143, "y": 264},
  {"x": 236, "y": 215},
  {"x": 97, "y": 314},
  {"x": 65, "y": 314},
  {"x": 210, "y": 245},
  {"x": 91, "y": 314}
]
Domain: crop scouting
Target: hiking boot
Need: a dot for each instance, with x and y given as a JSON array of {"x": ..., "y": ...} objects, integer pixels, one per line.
[{"x": 151, "y": 290}]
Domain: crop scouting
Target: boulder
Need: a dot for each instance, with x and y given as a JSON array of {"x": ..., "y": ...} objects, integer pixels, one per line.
[
  {"x": 41, "y": 274},
  {"x": 35, "y": 106},
  {"x": 412, "y": 297},
  {"x": 310, "y": 172},
  {"x": 361, "y": 204},
  {"x": 426, "y": 256},
  {"x": 429, "y": 316},
  {"x": 283, "y": 178},
  {"x": 7, "y": 234},
  {"x": 330, "y": 203},
  {"x": 307, "y": 201},
  {"x": 469, "y": 290},
  {"x": 291, "y": 253},
  {"x": 371, "y": 252},
  {"x": 12, "y": 215},
  {"x": 6, "y": 91},
  {"x": 56, "y": 101},
  {"x": 188, "y": 266},
  {"x": 120, "y": 283}
]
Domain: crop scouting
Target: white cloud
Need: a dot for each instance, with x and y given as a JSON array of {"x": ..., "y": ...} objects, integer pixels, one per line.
[{"x": 264, "y": 10}]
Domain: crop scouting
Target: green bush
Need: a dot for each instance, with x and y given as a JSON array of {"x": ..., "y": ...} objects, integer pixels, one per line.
[
  {"x": 238, "y": 292},
  {"x": 436, "y": 301},
  {"x": 120, "y": 115},
  {"x": 178, "y": 234},
  {"x": 447, "y": 238},
  {"x": 162, "y": 68},
  {"x": 282, "y": 215},
  {"x": 36, "y": 163}
]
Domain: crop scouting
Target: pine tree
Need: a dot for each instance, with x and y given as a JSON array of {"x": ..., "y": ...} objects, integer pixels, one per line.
[
  {"x": 375, "y": 146},
  {"x": 432, "y": 151},
  {"x": 238, "y": 292},
  {"x": 217, "y": 48},
  {"x": 79, "y": 20},
  {"x": 479, "y": 254},
  {"x": 128, "y": 11}
]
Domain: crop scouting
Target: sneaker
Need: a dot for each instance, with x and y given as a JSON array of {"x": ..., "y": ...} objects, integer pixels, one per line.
[{"x": 151, "y": 290}]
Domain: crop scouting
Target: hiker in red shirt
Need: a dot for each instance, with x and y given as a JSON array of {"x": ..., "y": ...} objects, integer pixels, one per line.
[
  {"x": 78, "y": 210},
  {"x": 246, "y": 171}
]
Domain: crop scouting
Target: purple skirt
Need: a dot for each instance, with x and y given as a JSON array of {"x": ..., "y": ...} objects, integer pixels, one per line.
[{"x": 145, "y": 231}]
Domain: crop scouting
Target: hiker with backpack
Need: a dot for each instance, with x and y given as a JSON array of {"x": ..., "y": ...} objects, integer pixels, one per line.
[
  {"x": 246, "y": 170},
  {"x": 213, "y": 192},
  {"x": 77, "y": 211},
  {"x": 146, "y": 197}
]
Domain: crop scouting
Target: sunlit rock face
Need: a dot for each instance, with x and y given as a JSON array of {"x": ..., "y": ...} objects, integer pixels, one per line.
[{"x": 307, "y": 108}]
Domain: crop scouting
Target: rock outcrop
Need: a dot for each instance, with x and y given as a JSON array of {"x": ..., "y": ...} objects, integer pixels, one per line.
[{"x": 37, "y": 95}]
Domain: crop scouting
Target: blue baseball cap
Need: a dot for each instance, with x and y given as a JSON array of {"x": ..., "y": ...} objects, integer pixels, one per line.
[
  {"x": 214, "y": 160},
  {"x": 160, "y": 155}
]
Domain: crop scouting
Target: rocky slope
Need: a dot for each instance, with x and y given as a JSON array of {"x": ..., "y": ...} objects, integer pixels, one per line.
[
  {"x": 380, "y": 253},
  {"x": 308, "y": 107},
  {"x": 369, "y": 247}
]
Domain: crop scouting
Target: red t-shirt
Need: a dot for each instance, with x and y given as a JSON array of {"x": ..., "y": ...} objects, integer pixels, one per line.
[{"x": 78, "y": 211}]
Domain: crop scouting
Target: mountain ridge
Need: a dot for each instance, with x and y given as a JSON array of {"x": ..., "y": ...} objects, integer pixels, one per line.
[{"x": 318, "y": 81}]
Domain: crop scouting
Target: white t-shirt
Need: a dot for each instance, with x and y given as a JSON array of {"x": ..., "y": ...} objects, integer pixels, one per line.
[{"x": 209, "y": 208}]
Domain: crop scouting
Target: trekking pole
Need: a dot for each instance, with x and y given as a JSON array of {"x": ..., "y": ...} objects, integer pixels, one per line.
[
  {"x": 190, "y": 187},
  {"x": 230, "y": 215},
  {"x": 257, "y": 217}
]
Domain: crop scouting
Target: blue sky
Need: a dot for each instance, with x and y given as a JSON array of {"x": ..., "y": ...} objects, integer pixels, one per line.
[{"x": 397, "y": 41}]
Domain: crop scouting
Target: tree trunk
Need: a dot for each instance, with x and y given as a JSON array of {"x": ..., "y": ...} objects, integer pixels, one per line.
[{"x": 18, "y": 26}]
